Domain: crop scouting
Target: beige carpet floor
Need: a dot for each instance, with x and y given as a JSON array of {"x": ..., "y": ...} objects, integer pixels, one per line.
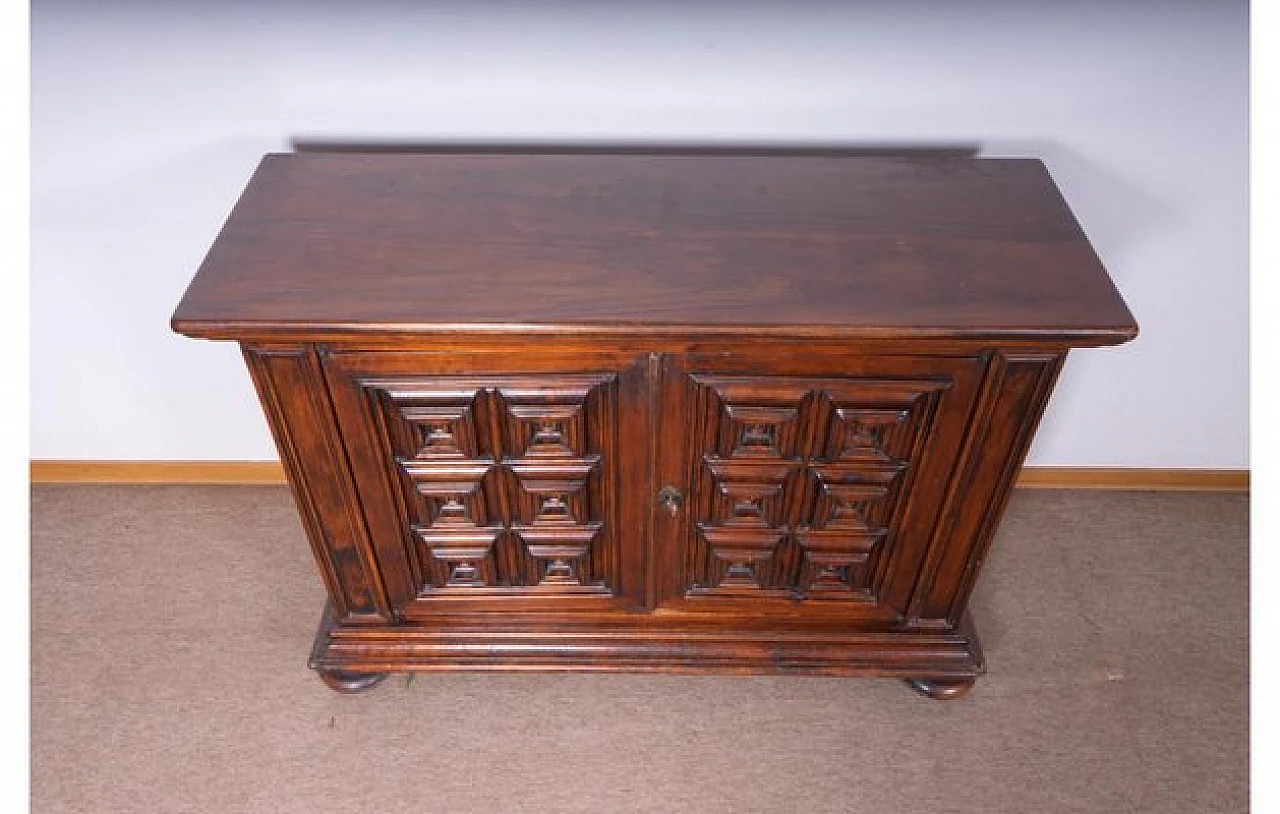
[{"x": 171, "y": 625}]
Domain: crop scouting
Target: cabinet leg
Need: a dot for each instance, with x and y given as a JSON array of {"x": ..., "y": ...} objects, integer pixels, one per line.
[
  {"x": 942, "y": 689},
  {"x": 344, "y": 681}
]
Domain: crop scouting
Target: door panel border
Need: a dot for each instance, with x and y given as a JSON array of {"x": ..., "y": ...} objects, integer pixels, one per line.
[
  {"x": 351, "y": 373},
  {"x": 954, "y": 382}
]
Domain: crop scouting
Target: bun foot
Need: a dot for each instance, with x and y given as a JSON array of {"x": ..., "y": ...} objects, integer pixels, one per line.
[
  {"x": 942, "y": 689},
  {"x": 344, "y": 681}
]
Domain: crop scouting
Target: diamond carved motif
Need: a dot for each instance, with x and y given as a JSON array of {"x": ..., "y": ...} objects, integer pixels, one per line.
[
  {"x": 452, "y": 518},
  {"x": 559, "y": 552}
]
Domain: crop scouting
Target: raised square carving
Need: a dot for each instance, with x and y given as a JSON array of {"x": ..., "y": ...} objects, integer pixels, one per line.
[
  {"x": 553, "y": 492},
  {"x": 547, "y": 418},
  {"x": 464, "y": 555},
  {"x": 559, "y": 551},
  {"x": 741, "y": 555},
  {"x": 836, "y": 561},
  {"x": 443, "y": 432},
  {"x": 746, "y": 522},
  {"x": 848, "y": 521},
  {"x": 426, "y": 424},
  {"x": 748, "y": 493},
  {"x": 852, "y": 496},
  {"x": 452, "y": 494},
  {"x": 542, "y": 431},
  {"x": 751, "y": 431},
  {"x": 860, "y": 433}
]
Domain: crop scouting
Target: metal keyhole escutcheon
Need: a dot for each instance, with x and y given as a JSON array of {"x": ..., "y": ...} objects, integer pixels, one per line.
[{"x": 671, "y": 499}]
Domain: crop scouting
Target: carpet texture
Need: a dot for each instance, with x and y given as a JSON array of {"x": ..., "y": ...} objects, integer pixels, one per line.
[{"x": 171, "y": 626}]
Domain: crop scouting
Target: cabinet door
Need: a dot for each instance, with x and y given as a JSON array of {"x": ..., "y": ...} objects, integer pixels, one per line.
[
  {"x": 497, "y": 481},
  {"x": 814, "y": 491}
]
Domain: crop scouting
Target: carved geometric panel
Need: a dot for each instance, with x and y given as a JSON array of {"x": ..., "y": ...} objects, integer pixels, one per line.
[
  {"x": 466, "y": 556},
  {"x": 544, "y": 422},
  {"x": 853, "y": 497},
  {"x": 798, "y": 482},
  {"x": 554, "y": 514},
  {"x": 748, "y": 494},
  {"x": 849, "y": 521},
  {"x": 743, "y": 526},
  {"x": 553, "y": 492},
  {"x": 764, "y": 431},
  {"x": 836, "y": 563},
  {"x": 452, "y": 494},
  {"x": 559, "y": 553},
  {"x": 505, "y": 480},
  {"x": 862, "y": 433},
  {"x": 431, "y": 425}
]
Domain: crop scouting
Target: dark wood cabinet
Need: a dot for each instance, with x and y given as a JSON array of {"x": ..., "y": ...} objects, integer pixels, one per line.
[{"x": 677, "y": 413}]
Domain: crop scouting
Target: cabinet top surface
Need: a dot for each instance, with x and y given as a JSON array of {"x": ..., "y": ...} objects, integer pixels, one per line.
[{"x": 858, "y": 247}]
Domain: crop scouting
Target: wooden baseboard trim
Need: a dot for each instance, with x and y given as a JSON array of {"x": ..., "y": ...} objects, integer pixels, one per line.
[
  {"x": 270, "y": 472},
  {"x": 230, "y": 472},
  {"x": 1162, "y": 480}
]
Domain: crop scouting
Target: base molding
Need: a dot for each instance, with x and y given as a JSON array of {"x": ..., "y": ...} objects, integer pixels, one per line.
[
  {"x": 644, "y": 644},
  {"x": 270, "y": 472}
]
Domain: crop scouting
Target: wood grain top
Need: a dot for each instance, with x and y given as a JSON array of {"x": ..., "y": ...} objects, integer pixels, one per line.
[{"x": 323, "y": 244}]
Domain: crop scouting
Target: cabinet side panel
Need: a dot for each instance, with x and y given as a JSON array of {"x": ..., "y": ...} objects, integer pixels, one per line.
[
  {"x": 1004, "y": 422},
  {"x": 291, "y": 388}
]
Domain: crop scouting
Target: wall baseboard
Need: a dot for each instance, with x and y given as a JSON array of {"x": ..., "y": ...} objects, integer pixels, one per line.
[
  {"x": 270, "y": 472},
  {"x": 1161, "y": 480},
  {"x": 230, "y": 472}
]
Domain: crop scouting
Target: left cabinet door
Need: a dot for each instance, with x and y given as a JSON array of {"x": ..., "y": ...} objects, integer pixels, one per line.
[{"x": 503, "y": 481}]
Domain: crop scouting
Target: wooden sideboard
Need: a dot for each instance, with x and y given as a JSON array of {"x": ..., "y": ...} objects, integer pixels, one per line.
[{"x": 667, "y": 413}]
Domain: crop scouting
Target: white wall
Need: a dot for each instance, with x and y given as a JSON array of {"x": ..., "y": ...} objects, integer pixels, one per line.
[{"x": 148, "y": 117}]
